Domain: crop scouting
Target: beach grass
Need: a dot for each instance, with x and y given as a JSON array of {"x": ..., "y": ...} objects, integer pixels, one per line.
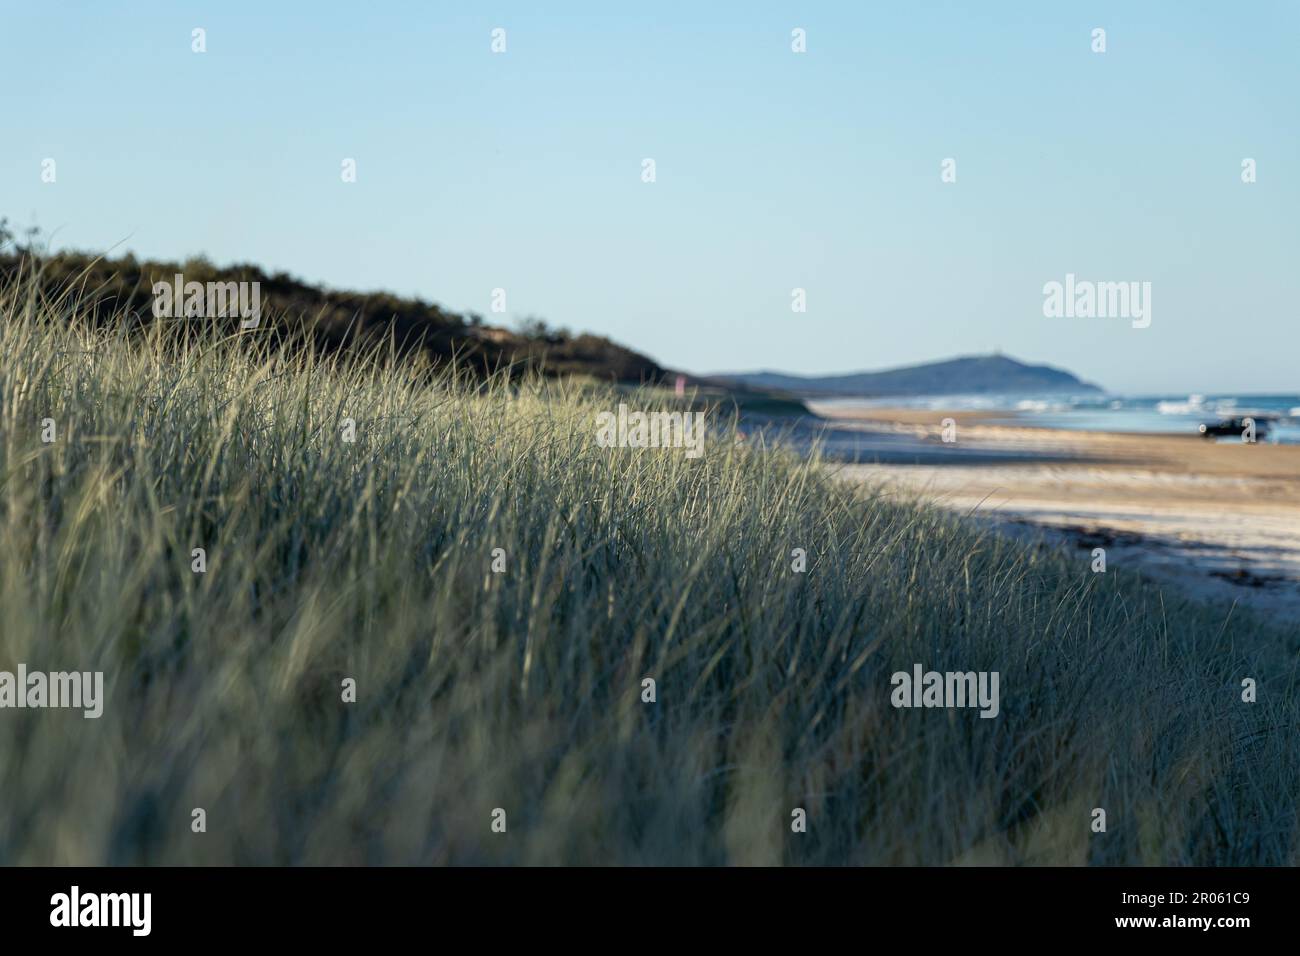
[{"x": 522, "y": 690}]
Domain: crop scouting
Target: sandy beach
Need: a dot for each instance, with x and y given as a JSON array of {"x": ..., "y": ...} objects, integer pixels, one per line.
[{"x": 1221, "y": 520}]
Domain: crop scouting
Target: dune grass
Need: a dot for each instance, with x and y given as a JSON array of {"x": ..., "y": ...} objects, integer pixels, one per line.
[{"x": 521, "y": 690}]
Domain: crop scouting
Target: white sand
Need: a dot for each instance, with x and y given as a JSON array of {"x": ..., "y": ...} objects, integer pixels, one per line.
[{"x": 1221, "y": 521}]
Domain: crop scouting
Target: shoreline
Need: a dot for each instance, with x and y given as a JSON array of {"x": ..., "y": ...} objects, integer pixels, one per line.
[{"x": 1219, "y": 520}]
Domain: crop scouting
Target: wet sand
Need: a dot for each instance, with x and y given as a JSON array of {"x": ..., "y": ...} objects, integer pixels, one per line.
[{"x": 1220, "y": 520}]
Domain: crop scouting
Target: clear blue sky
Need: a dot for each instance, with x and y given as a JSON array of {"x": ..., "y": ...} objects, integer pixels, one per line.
[{"x": 775, "y": 170}]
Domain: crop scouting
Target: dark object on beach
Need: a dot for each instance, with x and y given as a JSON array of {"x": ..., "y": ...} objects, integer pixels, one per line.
[
  {"x": 1248, "y": 578},
  {"x": 1233, "y": 427}
]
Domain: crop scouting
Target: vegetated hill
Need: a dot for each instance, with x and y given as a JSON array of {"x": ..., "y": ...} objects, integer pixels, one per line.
[
  {"x": 103, "y": 290},
  {"x": 969, "y": 375},
  {"x": 367, "y": 560}
]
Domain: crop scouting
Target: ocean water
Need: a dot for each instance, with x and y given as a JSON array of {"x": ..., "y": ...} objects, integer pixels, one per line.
[{"x": 1171, "y": 414}]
